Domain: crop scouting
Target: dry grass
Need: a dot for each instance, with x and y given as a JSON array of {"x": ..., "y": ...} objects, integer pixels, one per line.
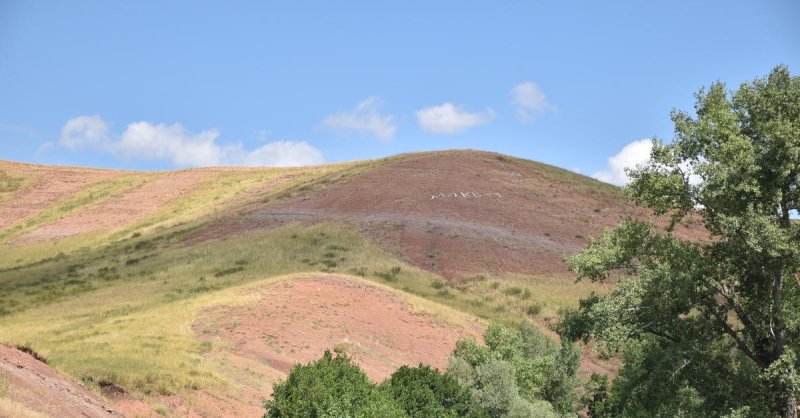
[
  {"x": 12, "y": 408},
  {"x": 92, "y": 194},
  {"x": 124, "y": 313},
  {"x": 10, "y": 184},
  {"x": 119, "y": 305}
]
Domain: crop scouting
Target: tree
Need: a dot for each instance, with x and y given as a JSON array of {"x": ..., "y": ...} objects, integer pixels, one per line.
[
  {"x": 707, "y": 327},
  {"x": 330, "y": 387},
  {"x": 425, "y": 392},
  {"x": 520, "y": 372}
]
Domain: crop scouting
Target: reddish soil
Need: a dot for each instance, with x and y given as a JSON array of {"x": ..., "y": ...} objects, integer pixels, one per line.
[
  {"x": 35, "y": 385},
  {"x": 297, "y": 320},
  {"x": 50, "y": 184},
  {"x": 458, "y": 213},
  {"x": 125, "y": 208}
]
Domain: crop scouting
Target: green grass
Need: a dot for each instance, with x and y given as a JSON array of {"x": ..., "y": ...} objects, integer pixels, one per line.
[
  {"x": 95, "y": 314},
  {"x": 119, "y": 306},
  {"x": 10, "y": 184}
]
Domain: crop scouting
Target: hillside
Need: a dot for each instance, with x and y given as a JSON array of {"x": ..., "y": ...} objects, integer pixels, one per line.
[
  {"x": 457, "y": 213},
  {"x": 191, "y": 291}
]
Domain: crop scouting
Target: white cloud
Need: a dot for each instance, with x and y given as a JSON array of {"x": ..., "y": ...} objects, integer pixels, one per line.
[
  {"x": 274, "y": 154},
  {"x": 449, "y": 119},
  {"x": 632, "y": 155},
  {"x": 174, "y": 143},
  {"x": 84, "y": 131},
  {"x": 365, "y": 119},
  {"x": 143, "y": 140},
  {"x": 530, "y": 102}
]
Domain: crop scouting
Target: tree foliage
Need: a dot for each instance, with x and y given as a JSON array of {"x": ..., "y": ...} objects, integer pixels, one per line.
[
  {"x": 707, "y": 327},
  {"x": 520, "y": 372},
  {"x": 425, "y": 392},
  {"x": 329, "y": 387}
]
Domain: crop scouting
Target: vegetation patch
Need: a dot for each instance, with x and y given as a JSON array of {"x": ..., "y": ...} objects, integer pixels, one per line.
[
  {"x": 228, "y": 271},
  {"x": 390, "y": 275},
  {"x": 518, "y": 373},
  {"x": 26, "y": 348},
  {"x": 9, "y": 185}
]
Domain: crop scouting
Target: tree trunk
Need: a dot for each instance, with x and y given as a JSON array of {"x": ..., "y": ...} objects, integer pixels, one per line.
[{"x": 791, "y": 407}]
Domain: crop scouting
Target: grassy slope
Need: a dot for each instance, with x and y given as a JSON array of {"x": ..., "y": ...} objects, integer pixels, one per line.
[
  {"x": 9, "y": 184},
  {"x": 119, "y": 305}
]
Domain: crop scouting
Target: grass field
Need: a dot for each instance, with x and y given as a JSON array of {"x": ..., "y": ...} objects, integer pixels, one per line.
[
  {"x": 232, "y": 188},
  {"x": 123, "y": 313},
  {"x": 118, "y": 306}
]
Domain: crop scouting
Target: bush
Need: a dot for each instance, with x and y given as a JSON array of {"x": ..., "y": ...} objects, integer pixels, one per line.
[
  {"x": 425, "y": 392},
  {"x": 391, "y": 275},
  {"x": 329, "y": 387},
  {"x": 518, "y": 371},
  {"x": 359, "y": 271},
  {"x": 534, "y": 309},
  {"x": 228, "y": 271}
]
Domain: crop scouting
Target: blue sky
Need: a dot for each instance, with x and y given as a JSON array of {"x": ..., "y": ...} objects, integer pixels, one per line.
[{"x": 155, "y": 85}]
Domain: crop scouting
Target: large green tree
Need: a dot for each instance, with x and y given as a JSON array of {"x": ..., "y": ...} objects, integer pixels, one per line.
[{"x": 709, "y": 326}]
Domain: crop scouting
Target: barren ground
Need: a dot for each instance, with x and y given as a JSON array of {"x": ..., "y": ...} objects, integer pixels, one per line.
[
  {"x": 50, "y": 184},
  {"x": 125, "y": 208},
  {"x": 295, "y": 321},
  {"x": 35, "y": 385}
]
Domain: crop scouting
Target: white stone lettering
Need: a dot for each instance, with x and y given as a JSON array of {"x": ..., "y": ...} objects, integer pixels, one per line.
[{"x": 465, "y": 195}]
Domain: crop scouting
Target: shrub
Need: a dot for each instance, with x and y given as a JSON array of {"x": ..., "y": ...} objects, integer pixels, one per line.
[
  {"x": 329, "y": 387},
  {"x": 26, "y": 348},
  {"x": 228, "y": 271},
  {"x": 518, "y": 371},
  {"x": 359, "y": 271},
  {"x": 425, "y": 392},
  {"x": 390, "y": 275},
  {"x": 534, "y": 309}
]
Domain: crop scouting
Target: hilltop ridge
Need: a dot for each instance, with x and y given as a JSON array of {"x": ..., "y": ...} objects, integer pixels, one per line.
[{"x": 454, "y": 213}]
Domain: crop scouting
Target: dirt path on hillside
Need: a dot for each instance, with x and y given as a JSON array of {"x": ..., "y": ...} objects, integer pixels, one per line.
[
  {"x": 126, "y": 208},
  {"x": 40, "y": 389}
]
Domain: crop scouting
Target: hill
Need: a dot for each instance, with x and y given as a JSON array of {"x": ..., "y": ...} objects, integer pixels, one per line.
[
  {"x": 191, "y": 291},
  {"x": 456, "y": 213}
]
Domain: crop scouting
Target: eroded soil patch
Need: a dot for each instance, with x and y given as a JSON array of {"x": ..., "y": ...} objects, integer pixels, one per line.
[
  {"x": 37, "y": 387},
  {"x": 48, "y": 186},
  {"x": 297, "y": 320},
  {"x": 126, "y": 208}
]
